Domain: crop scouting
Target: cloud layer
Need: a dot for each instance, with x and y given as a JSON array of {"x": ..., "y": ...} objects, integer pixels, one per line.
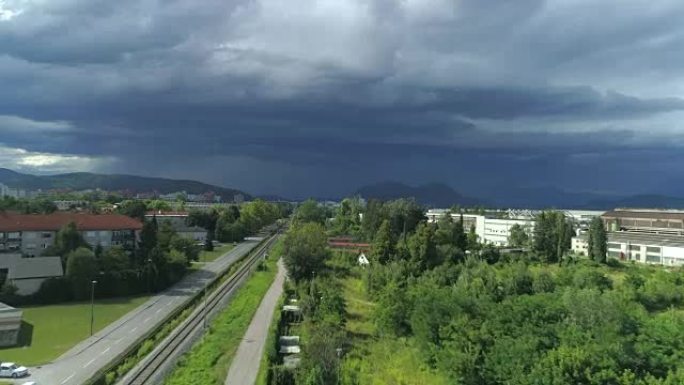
[{"x": 320, "y": 96}]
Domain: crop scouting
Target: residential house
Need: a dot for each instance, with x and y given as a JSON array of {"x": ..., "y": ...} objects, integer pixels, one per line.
[{"x": 31, "y": 234}]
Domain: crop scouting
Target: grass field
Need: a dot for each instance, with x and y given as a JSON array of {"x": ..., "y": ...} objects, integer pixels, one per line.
[
  {"x": 376, "y": 360},
  {"x": 209, "y": 256},
  {"x": 49, "y": 331},
  {"x": 208, "y": 361}
]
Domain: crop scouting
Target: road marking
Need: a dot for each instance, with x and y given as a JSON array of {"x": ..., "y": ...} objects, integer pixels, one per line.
[
  {"x": 89, "y": 362},
  {"x": 133, "y": 330},
  {"x": 67, "y": 379},
  {"x": 157, "y": 312},
  {"x": 117, "y": 341},
  {"x": 146, "y": 319},
  {"x": 105, "y": 351}
]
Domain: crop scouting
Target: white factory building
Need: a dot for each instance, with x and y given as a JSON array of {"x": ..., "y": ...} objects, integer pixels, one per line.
[{"x": 495, "y": 230}]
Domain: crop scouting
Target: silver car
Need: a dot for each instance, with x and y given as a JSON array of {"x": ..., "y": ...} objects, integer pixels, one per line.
[{"x": 9, "y": 369}]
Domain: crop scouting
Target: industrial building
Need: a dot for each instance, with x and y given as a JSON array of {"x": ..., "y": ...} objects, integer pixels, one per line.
[
  {"x": 641, "y": 235},
  {"x": 496, "y": 230},
  {"x": 645, "y": 221},
  {"x": 28, "y": 274}
]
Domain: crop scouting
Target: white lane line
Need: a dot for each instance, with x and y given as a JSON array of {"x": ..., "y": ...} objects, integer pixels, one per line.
[
  {"x": 67, "y": 379},
  {"x": 133, "y": 330},
  {"x": 146, "y": 319},
  {"x": 157, "y": 312},
  {"x": 89, "y": 362},
  {"x": 117, "y": 341},
  {"x": 105, "y": 351}
]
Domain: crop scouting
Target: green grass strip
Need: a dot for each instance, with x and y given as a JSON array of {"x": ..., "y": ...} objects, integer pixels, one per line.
[{"x": 209, "y": 360}]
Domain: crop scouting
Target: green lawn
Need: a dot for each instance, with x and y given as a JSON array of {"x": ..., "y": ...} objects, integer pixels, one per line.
[
  {"x": 209, "y": 256},
  {"x": 376, "y": 360},
  {"x": 49, "y": 331}
]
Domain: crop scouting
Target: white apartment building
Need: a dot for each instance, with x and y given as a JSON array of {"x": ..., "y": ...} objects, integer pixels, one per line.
[{"x": 489, "y": 230}]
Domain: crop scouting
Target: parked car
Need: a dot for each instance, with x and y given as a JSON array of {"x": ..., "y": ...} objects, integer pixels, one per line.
[{"x": 9, "y": 369}]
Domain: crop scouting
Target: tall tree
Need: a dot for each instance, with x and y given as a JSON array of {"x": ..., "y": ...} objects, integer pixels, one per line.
[
  {"x": 305, "y": 248},
  {"x": 81, "y": 269},
  {"x": 423, "y": 249},
  {"x": 68, "y": 239},
  {"x": 518, "y": 236},
  {"x": 598, "y": 241},
  {"x": 382, "y": 248},
  {"x": 461, "y": 239},
  {"x": 148, "y": 239},
  {"x": 473, "y": 239},
  {"x": 310, "y": 211}
]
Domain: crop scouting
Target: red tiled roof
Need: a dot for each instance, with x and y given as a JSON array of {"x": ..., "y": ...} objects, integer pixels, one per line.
[{"x": 54, "y": 222}]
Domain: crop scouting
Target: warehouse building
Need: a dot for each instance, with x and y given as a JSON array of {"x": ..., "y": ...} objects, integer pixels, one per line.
[
  {"x": 658, "y": 249},
  {"x": 645, "y": 221}
]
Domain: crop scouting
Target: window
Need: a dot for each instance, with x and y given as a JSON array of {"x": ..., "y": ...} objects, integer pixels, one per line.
[
  {"x": 614, "y": 254},
  {"x": 47, "y": 235},
  {"x": 14, "y": 235},
  {"x": 652, "y": 259},
  {"x": 652, "y": 249},
  {"x": 91, "y": 233},
  {"x": 635, "y": 247},
  {"x": 613, "y": 245}
]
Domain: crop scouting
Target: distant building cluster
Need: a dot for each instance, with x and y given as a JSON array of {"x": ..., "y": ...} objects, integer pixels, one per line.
[{"x": 6, "y": 191}]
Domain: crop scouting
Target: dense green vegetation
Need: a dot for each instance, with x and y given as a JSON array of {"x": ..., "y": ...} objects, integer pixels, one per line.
[
  {"x": 433, "y": 308},
  {"x": 49, "y": 331},
  {"x": 209, "y": 360}
]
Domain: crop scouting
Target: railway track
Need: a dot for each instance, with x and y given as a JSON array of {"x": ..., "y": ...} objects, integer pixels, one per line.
[{"x": 147, "y": 371}]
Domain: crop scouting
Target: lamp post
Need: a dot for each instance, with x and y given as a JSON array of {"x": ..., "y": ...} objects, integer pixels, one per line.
[
  {"x": 92, "y": 305},
  {"x": 149, "y": 275}
]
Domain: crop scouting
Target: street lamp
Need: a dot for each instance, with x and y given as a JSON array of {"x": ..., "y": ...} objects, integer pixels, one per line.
[
  {"x": 92, "y": 305},
  {"x": 149, "y": 275}
]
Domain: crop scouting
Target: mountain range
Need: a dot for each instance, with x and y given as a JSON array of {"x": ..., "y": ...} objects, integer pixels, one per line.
[
  {"x": 441, "y": 195},
  {"x": 116, "y": 182},
  {"x": 431, "y": 194}
]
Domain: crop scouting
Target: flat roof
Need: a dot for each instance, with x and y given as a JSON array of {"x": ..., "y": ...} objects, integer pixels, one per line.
[
  {"x": 642, "y": 238},
  {"x": 645, "y": 214}
]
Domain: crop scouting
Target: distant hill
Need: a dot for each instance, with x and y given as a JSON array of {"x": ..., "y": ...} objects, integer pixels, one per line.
[
  {"x": 642, "y": 201},
  {"x": 432, "y": 194},
  {"x": 114, "y": 182}
]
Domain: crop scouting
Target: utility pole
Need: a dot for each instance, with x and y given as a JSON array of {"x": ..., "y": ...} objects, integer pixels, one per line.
[{"x": 92, "y": 305}]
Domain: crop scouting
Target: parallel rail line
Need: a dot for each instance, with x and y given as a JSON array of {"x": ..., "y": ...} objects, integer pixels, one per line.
[{"x": 169, "y": 347}]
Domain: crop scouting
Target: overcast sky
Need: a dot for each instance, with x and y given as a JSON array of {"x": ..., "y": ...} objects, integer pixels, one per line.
[{"x": 319, "y": 97}]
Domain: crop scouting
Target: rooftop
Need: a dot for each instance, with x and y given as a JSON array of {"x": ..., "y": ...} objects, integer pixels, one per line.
[
  {"x": 645, "y": 214},
  {"x": 642, "y": 238},
  {"x": 54, "y": 222},
  {"x": 41, "y": 267}
]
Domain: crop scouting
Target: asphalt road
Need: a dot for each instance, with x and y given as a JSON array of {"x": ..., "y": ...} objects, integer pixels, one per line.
[
  {"x": 81, "y": 362},
  {"x": 245, "y": 366}
]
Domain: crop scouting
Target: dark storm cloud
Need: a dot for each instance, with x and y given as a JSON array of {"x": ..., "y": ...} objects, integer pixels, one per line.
[{"x": 366, "y": 90}]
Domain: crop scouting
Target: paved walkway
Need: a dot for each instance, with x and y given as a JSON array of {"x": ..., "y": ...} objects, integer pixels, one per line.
[{"x": 245, "y": 366}]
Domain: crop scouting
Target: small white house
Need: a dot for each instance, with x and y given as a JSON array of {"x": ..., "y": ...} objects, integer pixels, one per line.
[{"x": 363, "y": 261}]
